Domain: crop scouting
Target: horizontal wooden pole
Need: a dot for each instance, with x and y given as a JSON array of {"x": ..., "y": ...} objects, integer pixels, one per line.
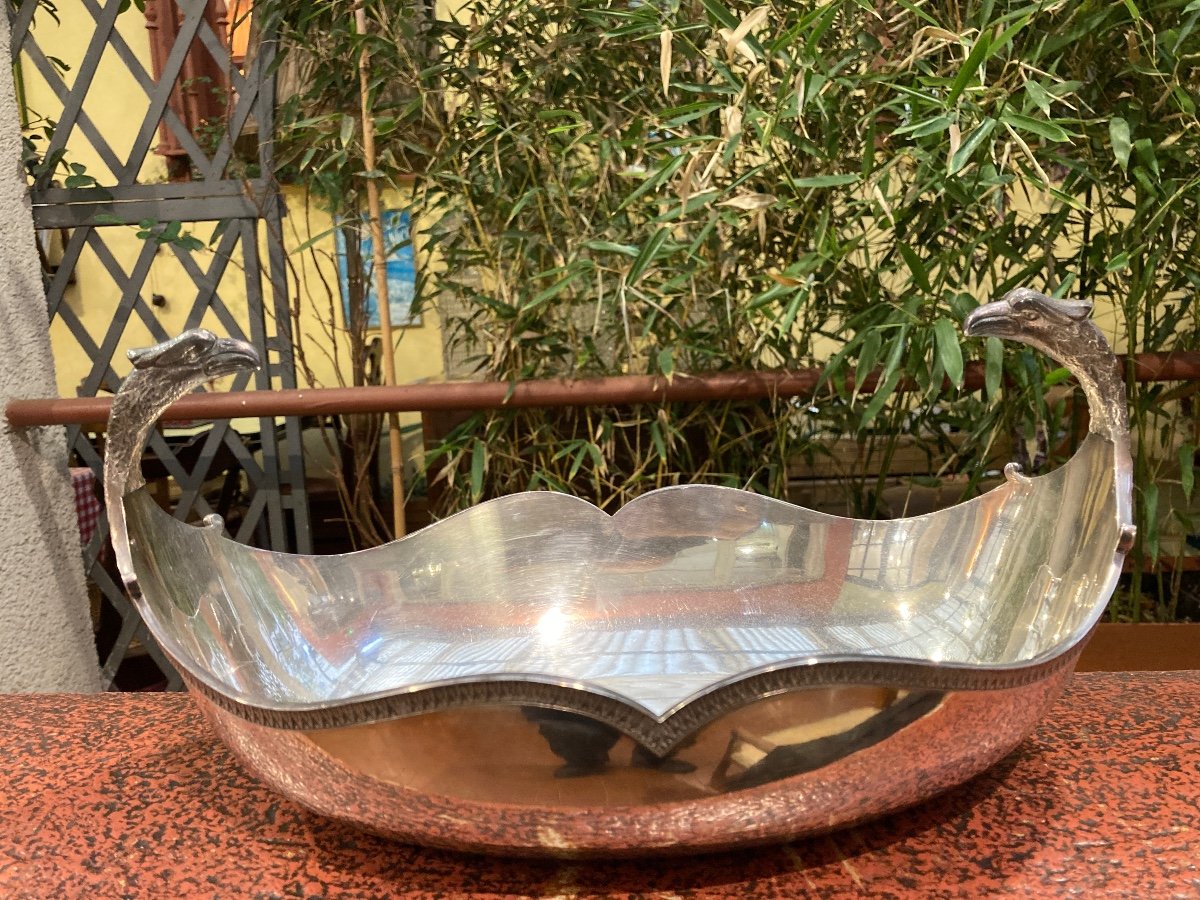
[
  {"x": 132, "y": 203},
  {"x": 621, "y": 390},
  {"x": 467, "y": 395}
]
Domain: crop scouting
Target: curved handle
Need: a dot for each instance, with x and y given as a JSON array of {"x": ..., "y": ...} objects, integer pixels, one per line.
[
  {"x": 161, "y": 375},
  {"x": 1064, "y": 331}
]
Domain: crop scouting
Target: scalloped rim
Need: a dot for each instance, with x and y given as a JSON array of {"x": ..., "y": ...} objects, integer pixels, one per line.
[{"x": 658, "y": 733}]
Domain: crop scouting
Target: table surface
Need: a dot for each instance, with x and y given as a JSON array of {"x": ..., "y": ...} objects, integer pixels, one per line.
[{"x": 119, "y": 795}]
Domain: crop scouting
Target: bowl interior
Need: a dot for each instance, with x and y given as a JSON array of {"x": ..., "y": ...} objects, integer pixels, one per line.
[{"x": 682, "y": 591}]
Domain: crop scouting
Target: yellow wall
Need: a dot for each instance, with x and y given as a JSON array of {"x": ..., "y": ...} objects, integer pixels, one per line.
[
  {"x": 115, "y": 104},
  {"x": 313, "y": 287}
]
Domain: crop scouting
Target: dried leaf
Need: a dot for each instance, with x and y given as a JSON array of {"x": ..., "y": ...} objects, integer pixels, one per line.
[
  {"x": 753, "y": 19},
  {"x": 883, "y": 204},
  {"x": 684, "y": 184},
  {"x": 955, "y": 139},
  {"x": 1029, "y": 155},
  {"x": 926, "y": 40},
  {"x": 940, "y": 34},
  {"x": 749, "y": 202},
  {"x": 664, "y": 60},
  {"x": 731, "y": 122}
]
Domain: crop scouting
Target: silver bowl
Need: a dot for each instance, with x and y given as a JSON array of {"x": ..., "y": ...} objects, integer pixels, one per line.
[{"x": 707, "y": 668}]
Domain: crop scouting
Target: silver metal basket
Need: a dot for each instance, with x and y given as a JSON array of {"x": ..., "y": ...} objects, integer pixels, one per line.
[{"x": 704, "y": 669}]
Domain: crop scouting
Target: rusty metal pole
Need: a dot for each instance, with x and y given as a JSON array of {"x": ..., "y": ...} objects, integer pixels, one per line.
[
  {"x": 614, "y": 390},
  {"x": 379, "y": 254}
]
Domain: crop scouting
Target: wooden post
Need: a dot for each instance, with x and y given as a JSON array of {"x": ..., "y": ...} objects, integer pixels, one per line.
[{"x": 379, "y": 255}]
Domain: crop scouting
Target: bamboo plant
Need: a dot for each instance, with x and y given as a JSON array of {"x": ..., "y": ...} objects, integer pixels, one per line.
[{"x": 691, "y": 186}]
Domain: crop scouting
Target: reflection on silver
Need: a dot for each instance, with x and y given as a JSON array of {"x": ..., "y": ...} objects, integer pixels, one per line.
[
  {"x": 667, "y": 626},
  {"x": 544, "y": 586}
]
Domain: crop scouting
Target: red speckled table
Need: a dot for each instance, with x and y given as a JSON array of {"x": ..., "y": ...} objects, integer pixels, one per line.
[{"x": 130, "y": 795}]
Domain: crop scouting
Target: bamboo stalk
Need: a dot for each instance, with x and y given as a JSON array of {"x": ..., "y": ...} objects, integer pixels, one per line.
[{"x": 379, "y": 253}]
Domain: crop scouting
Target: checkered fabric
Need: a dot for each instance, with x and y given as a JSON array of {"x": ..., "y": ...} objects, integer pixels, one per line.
[{"x": 87, "y": 504}]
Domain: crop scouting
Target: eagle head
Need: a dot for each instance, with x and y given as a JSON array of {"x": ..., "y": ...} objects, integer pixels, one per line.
[
  {"x": 197, "y": 354},
  {"x": 1028, "y": 317}
]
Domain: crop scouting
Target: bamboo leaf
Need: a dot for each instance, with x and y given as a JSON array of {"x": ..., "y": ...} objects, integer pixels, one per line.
[
  {"x": 824, "y": 181},
  {"x": 793, "y": 307},
  {"x": 666, "y": 362},
  {"x": 1145, "y": 151},
  {"x": 720, "y": 12},
  {"x": 915, "y": 266},
  {"x": 550, "y": 293},
  {"x": 1148, "y": 529},
  {"x": 653, "y": 181},
  {"x": 647, "y": 254},
  {"x": 1187, "y": 469},
  {"x": 629, "y": 250},
  {"x": 597, "y": 456},
  {"x": 681, "y": 115},
  {"x": 929, "y": 126},
  {"x": 656, "y": 438},
  {"x": 1049, "y": 130},
  {"x": 1037, "y": 94},
  {"x": 478, "y": 465},
  {"x": 577, "y": 462},
  {"x": 1118, "y": 262},
  {"x": 1118, "y": 135},
  {"x": 867, "y": 356},
  {"x": 969, "y": 146},
  {"x": 1056, "y": 376},
  {"x": 993, "y": 367},
  {"x": 974, "y": 60},
  {"x": 949, "y": 350},
  {"x": 878, "y": 399},
  {"x": 899, "y": 344}
]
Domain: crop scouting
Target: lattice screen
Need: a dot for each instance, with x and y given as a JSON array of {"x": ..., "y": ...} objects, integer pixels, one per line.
[{"x": 239, "y": 280}]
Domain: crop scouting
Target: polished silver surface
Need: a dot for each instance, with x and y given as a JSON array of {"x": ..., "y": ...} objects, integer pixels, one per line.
[
  {"x": 684, "y": 591},
  {"x": 495, "y": 779},
  {"x": 635, "y": 651}
]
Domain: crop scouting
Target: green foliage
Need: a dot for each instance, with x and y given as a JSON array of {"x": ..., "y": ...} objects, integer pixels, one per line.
[
  {"x": 318, "y": 126},
  {"x": 42, "y": 165},
  {"x": 319, "y": 133},
  {"x": 685, "y": 186},
  {"x": 163, "y": 233}
]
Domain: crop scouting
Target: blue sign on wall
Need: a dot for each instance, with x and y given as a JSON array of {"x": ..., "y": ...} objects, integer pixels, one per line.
[{"x": 401, "y": 269}]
